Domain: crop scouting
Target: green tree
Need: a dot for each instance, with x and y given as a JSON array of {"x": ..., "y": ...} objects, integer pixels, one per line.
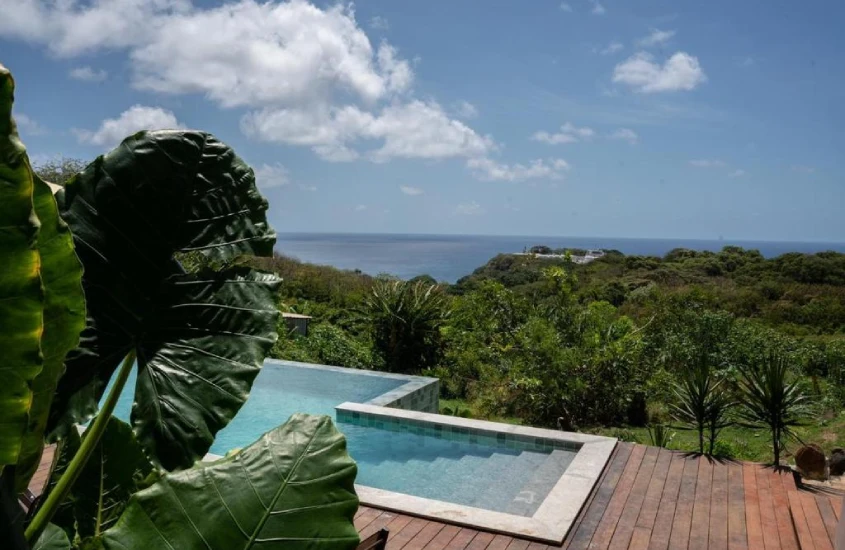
[
  {"x": 405, "y": 321},
  {"x": 59, "y": 171}
]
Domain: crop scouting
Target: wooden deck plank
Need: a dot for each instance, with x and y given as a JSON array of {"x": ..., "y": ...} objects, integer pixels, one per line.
[
  {"x": 628, "y": 519},
  {"x": 837, "y": 503},
  {"x": 590, "y": 517},
  {"x": 381, "y": 521},
  {"x": 462, "y": 539},
  {"x": 799, "y": 521},
  {"x": 500, "y": 542},
  {"x": 404, "y": 535},
  {"x": 425, "y": 536},
  {"x": 607, "y": 525},
  {"x": 651, "y": 502},
  {"x": 539, "y": 546},
  {"x": 518, "y": 544},
  {"x": 700, "y": 528},
  {"x": 662, "y": 529},
  {"x": 828, "y": 515},
  {"x": 679, "y": 538},
  {"x": 443, "y": 538},
  {"x": 737, "y": 531},
  {"x": 718, "y": 535},
  {"x": 366, "y": 518},
  {"x": 771, "y": 537},
  {"x": 481, "y": 541},
  {"x": 781, "y": 481},
  {"x": 753, "y": 519},
  {"x": 814, "y": 520}
]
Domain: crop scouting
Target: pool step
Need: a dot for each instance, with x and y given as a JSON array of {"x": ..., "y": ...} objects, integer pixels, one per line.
[
  {"x": 501, "y": 485},
  {"x": 544, "y": 478}
]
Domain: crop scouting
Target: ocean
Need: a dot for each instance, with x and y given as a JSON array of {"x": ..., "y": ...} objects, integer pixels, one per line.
[{"x": 450, "y": 257}]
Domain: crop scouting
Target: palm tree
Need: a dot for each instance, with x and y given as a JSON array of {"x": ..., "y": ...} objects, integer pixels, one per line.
[{"x": 768, "y": 399}]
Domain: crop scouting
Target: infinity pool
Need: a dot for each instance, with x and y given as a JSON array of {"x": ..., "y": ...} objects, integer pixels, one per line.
[{"x": 479, "y": 472}]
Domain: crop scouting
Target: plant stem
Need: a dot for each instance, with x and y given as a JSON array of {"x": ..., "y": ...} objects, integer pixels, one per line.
[{"x": 86, "y": 449}]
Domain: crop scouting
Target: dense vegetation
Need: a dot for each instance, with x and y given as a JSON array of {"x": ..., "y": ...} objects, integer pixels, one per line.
[{"x": 607, "y": 346}]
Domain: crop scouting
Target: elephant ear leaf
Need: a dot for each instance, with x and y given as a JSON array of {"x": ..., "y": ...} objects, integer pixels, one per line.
[
  {"x": 200, "y": 339},
  {"x": 21, "y": 292},
  {"x": 293, "y": 488},
  {"x": 53, "y": 538},
  {"x": 64, "y": 319},
  {"x": 116, "y": 469}
]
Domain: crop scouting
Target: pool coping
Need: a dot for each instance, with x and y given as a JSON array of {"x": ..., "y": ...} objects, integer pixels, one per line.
[
  {"x": 387, "y": 399},
  {"x": 556, "y": 514}
]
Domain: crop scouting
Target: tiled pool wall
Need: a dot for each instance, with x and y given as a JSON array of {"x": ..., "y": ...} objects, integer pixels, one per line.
[
  {"x": 463, "y": 434},
  {"x": 418, "y": 393}
]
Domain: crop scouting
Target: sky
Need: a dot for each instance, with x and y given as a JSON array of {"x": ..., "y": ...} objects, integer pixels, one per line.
[{"x": 606, "y": 118}]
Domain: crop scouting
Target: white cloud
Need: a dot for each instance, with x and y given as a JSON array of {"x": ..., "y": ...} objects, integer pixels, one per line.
[
  {"x": 680, "y": 72},
  {"x": 309, "y": 76},
  {"x": 565, "y": 7},
  {"x": 138, "y": 117},
  {"x": 469, "y": 209},
  {"x": 268, "y": 176},
  {"x": 87, "y": 74},
  {"x": 379, "y": 23},
  {"x": 569, "y": 133},
  {"x": 412, "y": 130},
  {"x": 598, "y": 9},
  {"x": 656, "y": 38},
  {"x": 408, "y": 190},
  {"x": 489, "y": 170},
  {"x": 612, "y": 48},
  {"x": 465, "y": 109},
  {"x": 803, "y": 169},
  {"x": 240, "y": 53},
  {"x": 28, "y": 126},
  {"x": 305, "y": 187},
  {"x": 625, "y": 134},
  {"x": 360, "y": 207},
  {"x": 738, "y": 173},
  {"x": 708, "y": 163}
]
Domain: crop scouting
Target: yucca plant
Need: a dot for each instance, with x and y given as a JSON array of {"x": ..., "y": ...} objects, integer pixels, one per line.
[
  {"x": 660, "y": 436},
  {"x": 769, "y": 399},
  {"x": 702, "y": 404},
  {"x": 405, "y": 320}
]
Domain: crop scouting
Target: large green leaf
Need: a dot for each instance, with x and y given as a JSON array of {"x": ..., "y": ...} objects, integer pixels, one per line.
[
  {"x": 293, "y": 488},
  {"x": 64, "y": 319},
  {"x": 115, "y": 471},
  {"x": 200, "y": 338},
  {"x": 53, "y": 538},
  {"x": 21, "y": 293}
]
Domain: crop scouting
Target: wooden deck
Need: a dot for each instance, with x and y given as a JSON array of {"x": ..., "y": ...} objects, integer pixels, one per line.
[{"x": 650, "y": 499}]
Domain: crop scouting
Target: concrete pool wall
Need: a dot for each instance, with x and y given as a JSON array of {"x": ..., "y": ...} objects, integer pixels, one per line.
[{"x": 418, "y": 393}]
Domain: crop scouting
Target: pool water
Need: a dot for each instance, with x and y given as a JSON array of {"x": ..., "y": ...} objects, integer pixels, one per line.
[{"x": 502, "y": 479}]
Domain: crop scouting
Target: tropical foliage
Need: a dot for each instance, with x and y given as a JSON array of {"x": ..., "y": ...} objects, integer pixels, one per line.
[
  {"x": 605, "y": 346},
  {"x": 164, "y": 226}
]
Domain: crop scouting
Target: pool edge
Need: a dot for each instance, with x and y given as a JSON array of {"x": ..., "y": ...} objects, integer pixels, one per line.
[{"x": 555, "y": 515}]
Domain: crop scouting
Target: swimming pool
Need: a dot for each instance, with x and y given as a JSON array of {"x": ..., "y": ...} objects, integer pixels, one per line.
[{"x": 408, "y": 460}]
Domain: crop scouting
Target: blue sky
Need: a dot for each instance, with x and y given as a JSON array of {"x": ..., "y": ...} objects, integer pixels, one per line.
[{"x": 585, "y": 118}]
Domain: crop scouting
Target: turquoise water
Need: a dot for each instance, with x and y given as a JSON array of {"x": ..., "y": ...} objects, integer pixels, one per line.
[{"x": 493, "y": 478}]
